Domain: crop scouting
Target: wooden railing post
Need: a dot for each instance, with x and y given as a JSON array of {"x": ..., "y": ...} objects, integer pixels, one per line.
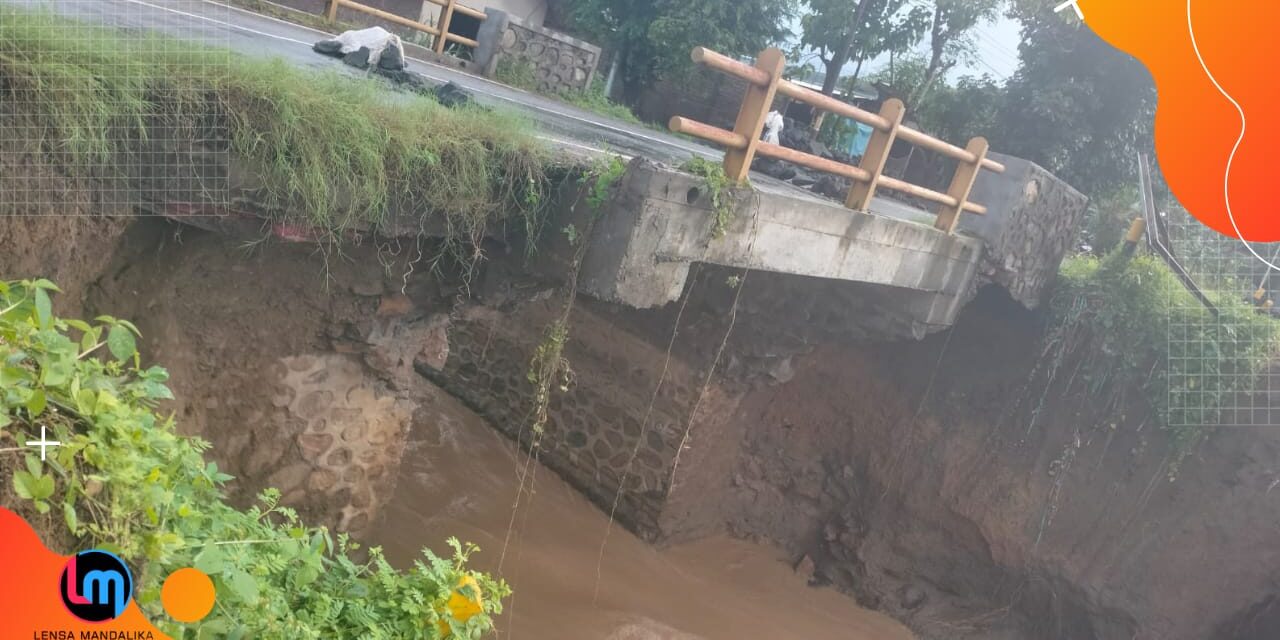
[
  {"x": 877, "y": 153},
  {"x": 755, "y": 106},
  {"x": 331, "y": 10},
  {"x": 446, "y": 15},
  {"x": 961, "y": 185}
]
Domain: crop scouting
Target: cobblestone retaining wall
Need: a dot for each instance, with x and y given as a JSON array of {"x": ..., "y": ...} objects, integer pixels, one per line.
[{"x": 560, "y": 63}]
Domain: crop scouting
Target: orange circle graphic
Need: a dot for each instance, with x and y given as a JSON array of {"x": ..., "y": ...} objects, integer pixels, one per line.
[{"x": 187, "y": 595}]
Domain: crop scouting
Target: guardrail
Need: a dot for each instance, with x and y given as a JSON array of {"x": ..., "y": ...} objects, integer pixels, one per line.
[
  {"x": 440, "y": 32},
  {"x": 764, "y": 82}
]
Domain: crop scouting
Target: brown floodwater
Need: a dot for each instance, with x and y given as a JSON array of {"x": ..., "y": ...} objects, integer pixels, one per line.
[{"x": 459, "y": 478}]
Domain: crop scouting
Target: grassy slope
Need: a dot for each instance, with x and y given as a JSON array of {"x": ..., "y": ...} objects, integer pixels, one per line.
[{"x": 337, "y": 150}]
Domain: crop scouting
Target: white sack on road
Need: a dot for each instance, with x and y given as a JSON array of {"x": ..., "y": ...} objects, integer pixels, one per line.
[{"x": 376, "y": 38}]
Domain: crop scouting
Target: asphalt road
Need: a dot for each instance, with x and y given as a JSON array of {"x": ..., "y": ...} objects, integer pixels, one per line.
[{"x": 217, "y": 24}]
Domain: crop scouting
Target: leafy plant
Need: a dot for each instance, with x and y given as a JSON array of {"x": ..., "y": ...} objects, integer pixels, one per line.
[
  {"x": 125, "y": 481},
  {"x": 717, "y": 185},
  {"x": 570, "y": 233},
  {"x": 601, "y": 179},
  {"x": 1116, "y": 314}
]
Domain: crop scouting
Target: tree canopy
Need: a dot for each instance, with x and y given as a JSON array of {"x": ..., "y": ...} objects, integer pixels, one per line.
[
  {"x": 950, "y": 37},
  {"x": 1076, "y": 105},
  {"x": 655, "y": 37},
  {"x": 844, "y": 30}
]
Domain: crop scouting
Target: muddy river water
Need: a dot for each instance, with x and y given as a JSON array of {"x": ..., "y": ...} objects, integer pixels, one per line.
[{"x": 460, "y": 477}]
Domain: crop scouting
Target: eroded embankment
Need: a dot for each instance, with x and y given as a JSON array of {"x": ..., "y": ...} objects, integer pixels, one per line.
[
  {"x": 909, "y": 474},
  {"x": 938, "y": 481},
  {"x": 297, "y": 367}
]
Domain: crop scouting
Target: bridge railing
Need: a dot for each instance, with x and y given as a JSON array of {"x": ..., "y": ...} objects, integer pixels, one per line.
[
  {"x": 440, "y": 32},
  {"x": 764, "y": 82}
]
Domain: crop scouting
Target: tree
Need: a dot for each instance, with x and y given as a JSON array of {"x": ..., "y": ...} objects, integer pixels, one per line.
[
  {"x": 654, "y": 37},
  {"x": 950, "y": 37},
  {"x": 1076, "y": 106},
  {"x": 958, "y": 113},
  {"x": 844, "y": 30}
]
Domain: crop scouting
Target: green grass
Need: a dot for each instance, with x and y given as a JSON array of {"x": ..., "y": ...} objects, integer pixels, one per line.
[
  {"x": 520, "y": 74},
  {"x": 335, "y": 152},
  {"x": 1117, "y": 314}
]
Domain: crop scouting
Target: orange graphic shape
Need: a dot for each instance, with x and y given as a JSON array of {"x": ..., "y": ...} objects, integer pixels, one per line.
[
  {"x": 187, "y": 595},
  {"x": 30, "y": 601},
  {"x": 1196, "y": 126}
]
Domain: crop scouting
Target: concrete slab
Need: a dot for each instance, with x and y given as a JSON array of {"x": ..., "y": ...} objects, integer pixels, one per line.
[{"x": 662, "y": 222}]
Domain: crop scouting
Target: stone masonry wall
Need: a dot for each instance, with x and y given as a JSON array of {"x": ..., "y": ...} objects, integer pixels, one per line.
[
  {"x": 342, "y": 427},
  {"x": 596, "y": 433},
  {"x": 1032, "y": 218},
  {"x": 560, "y": 62}
]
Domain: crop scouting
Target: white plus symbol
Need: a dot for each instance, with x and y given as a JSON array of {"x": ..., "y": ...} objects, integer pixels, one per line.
[
  {"x": 1074, "y": 4},
  {"x": 42, "y": 443}
]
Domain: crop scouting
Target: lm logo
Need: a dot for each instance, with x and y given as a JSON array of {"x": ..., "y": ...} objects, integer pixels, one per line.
[{"x": 95, "y": 586}]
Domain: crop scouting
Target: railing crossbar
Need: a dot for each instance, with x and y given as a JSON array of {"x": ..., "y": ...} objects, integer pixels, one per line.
[
  {"x": 732, "y": 140},
  {"x": 764, "y": 82},
  {"x": 441, "y": 33},
  {"x": 759, "y": 77}
]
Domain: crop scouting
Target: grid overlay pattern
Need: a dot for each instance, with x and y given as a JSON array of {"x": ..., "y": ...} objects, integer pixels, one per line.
[
  {"x": 1225, "y": 270},
  {"x": 88, "y": 117}
]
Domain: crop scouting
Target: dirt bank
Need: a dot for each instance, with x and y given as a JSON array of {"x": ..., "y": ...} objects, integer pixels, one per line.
[
  {"x": 460, "y": 478},
  {"x": 915, "y": 477},
  {"x": 296, "y": 366},
  {"x": 908, "y": 474}
]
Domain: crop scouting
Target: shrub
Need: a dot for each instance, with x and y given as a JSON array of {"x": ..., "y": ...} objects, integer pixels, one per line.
[
  {"x": 1122, "y": 314},
  {"x": 125, "y": 481}
]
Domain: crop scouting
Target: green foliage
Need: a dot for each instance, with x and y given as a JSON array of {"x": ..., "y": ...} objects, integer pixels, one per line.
[
  {"x": 654, "y": 37},
  {"x": 601, "y": 180},
  {"x": 334, "y": 152},
  {"x": 516, "y": 72},
  {"x": 838, "y": 33},
  {"x": 1117, "y": 314},
  {"x": 1076, "y": 105},
  {"x": 125, "y": 481},
  {"x": 959, "y": 112},
  {"x": 594, "y": 100},
  {"x": 951, "y": 38},
  {"x": 1108, "y": 217},
  {"x": 717, "y": 185}
]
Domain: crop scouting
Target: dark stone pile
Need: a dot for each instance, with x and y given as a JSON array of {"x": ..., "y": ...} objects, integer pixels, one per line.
[
  {"x": 796, "y": 135},
  {"x": 393, "y": 67},
  {"x": 392, "y": 59}
]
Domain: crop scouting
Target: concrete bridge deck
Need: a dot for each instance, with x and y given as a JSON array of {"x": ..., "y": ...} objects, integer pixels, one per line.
[{"x": 663, "y": 220}]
